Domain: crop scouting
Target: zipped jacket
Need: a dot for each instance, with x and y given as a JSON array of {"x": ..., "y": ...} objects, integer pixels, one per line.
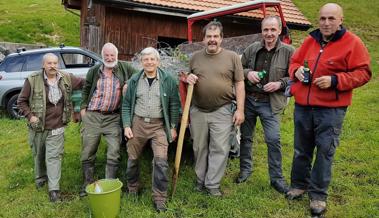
[
  {"x": 344, "y": 58},
  {"x": 169, "y": 95},
  {"x": 122, "y": 71},
  {"x": 37, "y": 98},
  {"x": 278, "y": 70}
]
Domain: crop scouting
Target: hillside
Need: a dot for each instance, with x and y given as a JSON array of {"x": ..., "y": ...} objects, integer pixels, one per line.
[{"x": 38, "y": 21}]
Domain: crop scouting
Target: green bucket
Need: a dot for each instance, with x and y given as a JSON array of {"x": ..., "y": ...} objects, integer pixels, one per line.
[{"x": 106, "y": 203}]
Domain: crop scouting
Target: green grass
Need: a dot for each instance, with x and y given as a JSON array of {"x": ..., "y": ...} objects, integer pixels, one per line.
[
  {"x": 38, "y": 21},
  {"x": 354, "y": 191}
]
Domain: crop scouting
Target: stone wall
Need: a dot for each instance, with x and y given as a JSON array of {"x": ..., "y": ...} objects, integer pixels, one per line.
[{"x": 10, "y": 47}]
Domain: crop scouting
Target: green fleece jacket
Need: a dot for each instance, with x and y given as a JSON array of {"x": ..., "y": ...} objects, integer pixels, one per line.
[{"x": 169, "y": 95}]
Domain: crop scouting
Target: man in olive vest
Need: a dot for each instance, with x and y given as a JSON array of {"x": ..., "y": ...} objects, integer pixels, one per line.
[{"x": 45, "y": 101}]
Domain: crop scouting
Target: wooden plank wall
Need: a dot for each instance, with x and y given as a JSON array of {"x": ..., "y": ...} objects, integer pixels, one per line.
[{"x": 132, "y": 31}]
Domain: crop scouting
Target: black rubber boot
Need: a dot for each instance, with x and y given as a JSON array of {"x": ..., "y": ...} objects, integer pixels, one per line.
[
  {"x": 160, "y": 182},
  {"x": 111, "y": 171},
  {"x": 88, "y": 173}
]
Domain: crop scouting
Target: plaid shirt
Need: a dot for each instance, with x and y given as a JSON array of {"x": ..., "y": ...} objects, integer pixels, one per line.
[
  {"x": 148, "y": 100},
  {"x": 107, "y": 94}
]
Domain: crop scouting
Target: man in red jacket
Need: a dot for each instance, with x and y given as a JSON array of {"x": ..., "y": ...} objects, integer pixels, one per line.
[{"x": 339, "y": 62}]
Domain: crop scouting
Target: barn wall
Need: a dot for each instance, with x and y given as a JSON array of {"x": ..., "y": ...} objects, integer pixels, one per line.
[{"x": 132, "y": 31}]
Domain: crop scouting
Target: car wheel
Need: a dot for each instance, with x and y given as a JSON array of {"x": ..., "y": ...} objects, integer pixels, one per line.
[{"x": 12, "y": 108}]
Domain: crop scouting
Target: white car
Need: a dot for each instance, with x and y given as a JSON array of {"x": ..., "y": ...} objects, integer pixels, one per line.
[{"x": 16, "y": 67}]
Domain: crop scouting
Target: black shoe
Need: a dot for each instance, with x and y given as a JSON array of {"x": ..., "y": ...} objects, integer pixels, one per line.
[
  {"x": 317, "y": 207},
  {"x": 55, "y": 196},
  {"x": 82, "y": 193},
  {"x": 215, "y": 192},
  {"x": 199, "y": 187},
  {"x": 242, "y": 177},
  {"x": 40, "y": 184},
  {"x": 160, "y": 206},
  {"x": 280, "y": 186},
  {"x": 233, "y": 155}
]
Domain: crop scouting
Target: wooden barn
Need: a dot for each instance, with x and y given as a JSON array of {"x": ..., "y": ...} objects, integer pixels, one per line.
[{"x": 135, "y": 24}]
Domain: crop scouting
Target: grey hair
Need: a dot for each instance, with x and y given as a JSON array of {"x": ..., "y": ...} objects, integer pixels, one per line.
[
  {"x": 149, "y": 50},
  {"x": 47, "y": 55},
  {"x": 273, "y": 17},
  {"x": 111, "y": 46}
]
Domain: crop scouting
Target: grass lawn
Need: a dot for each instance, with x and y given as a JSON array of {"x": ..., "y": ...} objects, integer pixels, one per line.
[
  {"x": 354, "y": 191},
  {"x": 38, "y": 21}
]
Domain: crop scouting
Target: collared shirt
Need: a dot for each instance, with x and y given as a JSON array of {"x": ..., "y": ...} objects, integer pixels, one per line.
[
  {"x": 55, "y": 93},
  {"x": 148, "y": 101},
  {"x": 263, "y": 62},
  {"x": 106, "y": 97}
]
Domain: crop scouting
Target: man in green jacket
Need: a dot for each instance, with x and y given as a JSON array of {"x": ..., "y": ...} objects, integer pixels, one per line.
[
  {"x": 265, "y": 99},
  {"x": 45, "y": 102},
  {"x": 102, "y": 94},
  {"x": 150, "y": 111}
]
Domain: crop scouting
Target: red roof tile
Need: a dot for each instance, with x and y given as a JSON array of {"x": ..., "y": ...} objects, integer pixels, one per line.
[{"x": 291, "y": 13}]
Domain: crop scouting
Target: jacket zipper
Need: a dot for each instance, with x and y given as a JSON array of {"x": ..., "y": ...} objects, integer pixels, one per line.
[{"x": 314, "y": 71}]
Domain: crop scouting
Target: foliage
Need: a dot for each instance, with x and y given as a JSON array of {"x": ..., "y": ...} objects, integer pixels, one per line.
[{"x": 354, "y": 191}]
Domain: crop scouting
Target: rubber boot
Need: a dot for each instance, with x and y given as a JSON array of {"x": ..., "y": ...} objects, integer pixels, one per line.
[
  {"x": 111, "y": 171},
  {"x": 88, "y": 173},
  {"x": 160, "y": 182}
]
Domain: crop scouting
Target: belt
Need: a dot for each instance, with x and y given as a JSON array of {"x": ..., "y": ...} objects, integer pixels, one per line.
[
  {"x": 117, "y": 111},
  {"x": 259, "y": 97},
  {"x": 150, "y": 120}
]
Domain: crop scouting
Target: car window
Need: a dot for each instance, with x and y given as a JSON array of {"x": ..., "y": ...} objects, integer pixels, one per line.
[
  {"x": 34, "y": 62},
  {"x": 75, "y": 60},
  {"x": 14, "y": 64}
]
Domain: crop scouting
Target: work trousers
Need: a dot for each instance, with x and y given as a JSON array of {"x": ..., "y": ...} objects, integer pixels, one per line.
[
  {"x": 94, "y": 126},
  {"x": 145, "y": 129},
  {"x": 47, "y": 152},
  {"x": 315, "y": 127},
  {"x": 211, "y": 132},
  {"x": 271, "y": 127}
]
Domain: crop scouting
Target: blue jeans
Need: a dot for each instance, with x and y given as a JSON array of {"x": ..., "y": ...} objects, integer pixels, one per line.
[
  {"x": 271, "y": 127},
  {"x": 315, "y": 127}
]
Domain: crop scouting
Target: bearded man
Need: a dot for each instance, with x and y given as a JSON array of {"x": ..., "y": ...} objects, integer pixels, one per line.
[{"x": 103, "y": 90}]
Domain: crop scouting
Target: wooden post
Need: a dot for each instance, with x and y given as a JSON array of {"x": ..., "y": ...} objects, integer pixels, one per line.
[{"x": 179, "y": 147}]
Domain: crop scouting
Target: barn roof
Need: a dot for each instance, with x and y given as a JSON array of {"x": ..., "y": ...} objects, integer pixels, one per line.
[{"x": 291, "y": 13}]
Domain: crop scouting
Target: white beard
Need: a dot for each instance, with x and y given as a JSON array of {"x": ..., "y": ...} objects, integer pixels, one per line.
[{"x": 111, "y": 64}]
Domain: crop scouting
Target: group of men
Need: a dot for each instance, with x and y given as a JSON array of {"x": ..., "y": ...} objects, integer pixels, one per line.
[{"x": 229, "y": 91}]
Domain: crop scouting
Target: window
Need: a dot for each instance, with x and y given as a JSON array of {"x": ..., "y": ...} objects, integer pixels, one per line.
[
  {"x": 72, "y": 60},
  {"x": 14, "y": 64},
  {"x": 34, "y": 62}
]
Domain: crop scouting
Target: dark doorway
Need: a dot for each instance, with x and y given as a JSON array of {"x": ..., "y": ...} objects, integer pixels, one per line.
[{"x": 164, "y": 42}]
